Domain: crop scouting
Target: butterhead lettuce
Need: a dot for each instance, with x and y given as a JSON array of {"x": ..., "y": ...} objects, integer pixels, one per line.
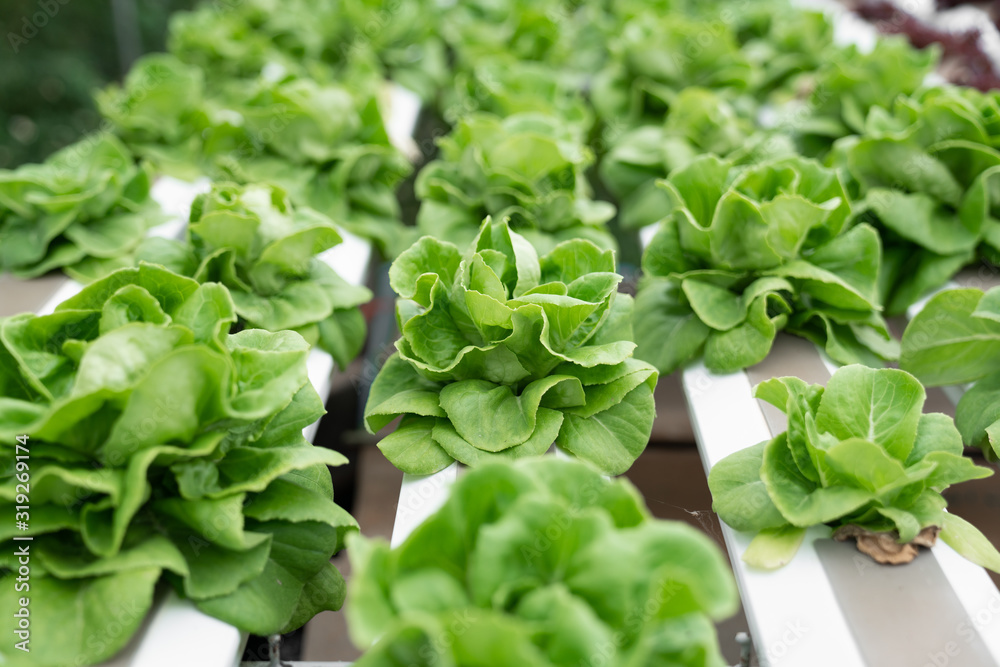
[
  {"x": 657, "y": 55},
  {"x": 504, "y": 353},
  {"x": 745, "y": 252},
  {"x": 324, "y": 143},
  {"x": 925, "y": 174},
  {"x": 528, "y": 167},
  {"x": 161, "y": 448},
  {"x": 252, "y": 240},
  {"x": 564, "y": 36},
  {"x": 83, "y": 210},
  {"x": 327, "y": 41},
  {"x": 540, "y": 563},
  {"x": 505, "y": 87},
  {"x": 850, "y": 83},
  {"x": 699, "y": 121},
  {"x": 857, "y": 453},
  {"x": 955, "y": 339}
]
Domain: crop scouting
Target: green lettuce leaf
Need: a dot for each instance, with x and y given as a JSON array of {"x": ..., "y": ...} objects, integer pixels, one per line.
[
  {"x": 746, "y": 251},
  {"x": 504, "y": 353},
  {"x": 162, "y": 447},
  {"x": 859, "y": 452},
  {"x": 542, "y": 562}
]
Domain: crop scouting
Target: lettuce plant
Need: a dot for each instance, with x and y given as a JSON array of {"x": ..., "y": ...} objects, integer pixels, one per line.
[
  {"x": 858, "y": 456},
  {"x": 926, "y": 174},
  {"x": 849, "y": 84},
  {"x": 161, "y": 448},
  {"x": 159, "y": 112},
  {"x": 326, "y": 41},
  {"x": 782, "y": 41},
  {"x": 540, "y": 563},
  {"x": 743, "y": 52},
  {"x": 324, "y": 144},
  {"x": 504, "y": 353},
  {"x": 251, "y": 239},
  {"x": 245, "y": 37},
  {"x": 659, "y": 54},
  {"x": 528, "y": 167},
  {"x": 955, "y": 339},
  {"x": 81, "y": 210},
  {"x": 403, "y": 37},
  {"x": 505, "y": 87},
  {"x": 699, "y": 121},
  {"x": 565, "y": 36},
  {"x": 746, "y": 252}
]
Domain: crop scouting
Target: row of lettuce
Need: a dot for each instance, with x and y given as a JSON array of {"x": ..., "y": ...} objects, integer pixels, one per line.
[
  {"x": 830, "y": 152},
  {"x": 293, "y": 101},
  {"x": 162, "y": 449},
  {"x": 795, "y": 184}
]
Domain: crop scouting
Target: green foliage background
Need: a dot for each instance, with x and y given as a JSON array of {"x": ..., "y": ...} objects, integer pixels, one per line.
[{"x": 46, "y": 84}]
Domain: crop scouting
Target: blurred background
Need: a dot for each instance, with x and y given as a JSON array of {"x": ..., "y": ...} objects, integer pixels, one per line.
[{"x": 55, "y": 53}]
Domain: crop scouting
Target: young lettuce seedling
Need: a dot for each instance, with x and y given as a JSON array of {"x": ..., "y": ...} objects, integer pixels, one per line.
[{"x": 858, "y": 456}]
